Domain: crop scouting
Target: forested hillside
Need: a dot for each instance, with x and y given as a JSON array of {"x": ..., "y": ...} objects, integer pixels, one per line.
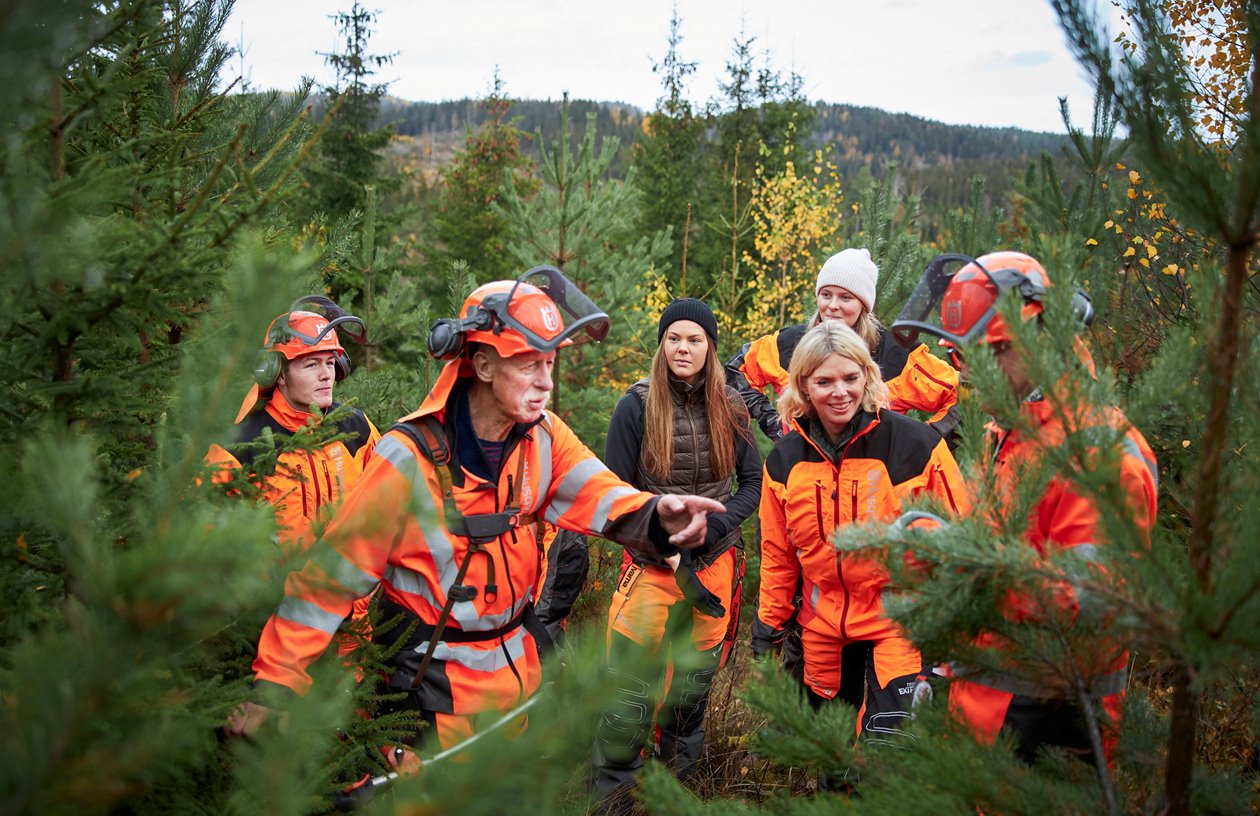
[{"x": 160, "y": 227}]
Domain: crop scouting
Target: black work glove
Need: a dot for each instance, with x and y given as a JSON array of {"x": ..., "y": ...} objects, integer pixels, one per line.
[
  {"x": 705, "y": 602},
  {"x": 766, "y": 640}
]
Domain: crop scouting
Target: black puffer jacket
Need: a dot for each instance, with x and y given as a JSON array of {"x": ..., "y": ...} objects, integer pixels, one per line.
[{"x": 692, "y": 470}]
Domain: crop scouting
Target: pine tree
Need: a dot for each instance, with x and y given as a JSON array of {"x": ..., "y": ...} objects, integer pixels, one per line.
[
  {"x": 586, "y": 224},
  {"x": 465, "y": 223},
  {"x": 669, "y": 158}
]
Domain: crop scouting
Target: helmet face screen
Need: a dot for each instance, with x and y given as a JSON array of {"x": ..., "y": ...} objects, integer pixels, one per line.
[
  {"x": 549, "y": 318},
  {"x": 967, "y": 293},
  {"x": 345, "y": 323}
]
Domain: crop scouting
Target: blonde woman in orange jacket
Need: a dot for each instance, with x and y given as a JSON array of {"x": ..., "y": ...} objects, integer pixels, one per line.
[{"x": 845, "y": 459}]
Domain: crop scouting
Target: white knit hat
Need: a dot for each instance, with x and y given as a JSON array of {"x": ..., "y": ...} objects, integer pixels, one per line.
[{"x": 854, "y": 270}]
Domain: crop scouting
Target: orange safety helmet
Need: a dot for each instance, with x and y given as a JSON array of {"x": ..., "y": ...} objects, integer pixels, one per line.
[
  {"x": 968, "y": 289},
  {"x": 519, "y": 316},
  {"x": 307, "y": 328}
]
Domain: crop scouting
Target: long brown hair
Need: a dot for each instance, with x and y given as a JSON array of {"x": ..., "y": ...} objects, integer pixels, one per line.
[
  {"x": 725, "y": 419},
  {"x": 819, "y": 343}
]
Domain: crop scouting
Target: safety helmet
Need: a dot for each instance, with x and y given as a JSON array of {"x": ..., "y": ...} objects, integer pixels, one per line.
[
  {"x": 514, "y": 317},
  {"x": 308, "y": 328},
  {"x": 968, "y": 290}
]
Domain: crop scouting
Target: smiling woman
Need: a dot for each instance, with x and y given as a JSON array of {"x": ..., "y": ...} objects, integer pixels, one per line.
[{"x": 845, "y": 459}]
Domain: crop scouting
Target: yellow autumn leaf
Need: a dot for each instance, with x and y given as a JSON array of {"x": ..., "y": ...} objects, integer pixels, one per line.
[
  {"x": 1091, "y": 242},
  {"x": 1132, "y": 194},
  {"x": 1171, "y": 269},
  {"x": 1109, "y": 224},
  {"x": 1129, "y": 252},
  {"x": 1144, "y": 262},
  {"x": 1185, "y": 443},
  {"x": 1134, "y": 178},
  {"x": 1151, "y": 251}
]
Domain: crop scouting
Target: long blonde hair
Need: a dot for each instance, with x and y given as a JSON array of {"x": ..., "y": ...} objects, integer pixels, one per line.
[
  {"x": 867, "y": 327},
  {"x": 658, "y": 417},
  {"x": 828, "y": 338}
]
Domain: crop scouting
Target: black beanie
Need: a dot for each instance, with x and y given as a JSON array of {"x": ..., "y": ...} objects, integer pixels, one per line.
[{"x": 691, "y": 309}]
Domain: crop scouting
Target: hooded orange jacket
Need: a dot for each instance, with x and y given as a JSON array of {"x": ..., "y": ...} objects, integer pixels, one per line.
[
  {"x": 805, "y": 497},
  {"x": 1063, "y": 519},
  {"x": 390, "y": 532},
  {"x": 306, "y": 485}
]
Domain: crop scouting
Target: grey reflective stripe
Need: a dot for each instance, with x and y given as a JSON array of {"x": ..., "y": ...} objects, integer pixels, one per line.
[
  {"x": 543, "y": 437},
  {"x": 464, "y": 613},
  {"x": 1112, "y": 683},
  {"x": 424, "y": 511},
  {"x": 395, "y": 451},
  {"x": 343, "y": 572},
  {"x": 1131, "y": 448},
  {"x": 813, "y": 597},
  {"x": 600, "y": 520},
  {"x": 483, "y": 660},
  {"x": 571, "y": 486},
  {"x": 1087, "y": 552},
  {"x": 305, "y": 613}
]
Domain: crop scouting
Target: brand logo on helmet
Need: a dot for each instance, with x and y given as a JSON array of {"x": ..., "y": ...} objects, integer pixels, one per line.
[
  {"x": 952, "y": 317},
  {"x": 551, "y": 320}
]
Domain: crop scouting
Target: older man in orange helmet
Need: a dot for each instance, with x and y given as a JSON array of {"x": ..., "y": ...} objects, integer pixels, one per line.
[{"x": 443, "y": 520}]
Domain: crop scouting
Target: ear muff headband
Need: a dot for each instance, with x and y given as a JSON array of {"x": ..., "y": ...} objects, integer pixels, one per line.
[
  {"x": 269, "y": 364},
  {"x": 447, "y": 334}
]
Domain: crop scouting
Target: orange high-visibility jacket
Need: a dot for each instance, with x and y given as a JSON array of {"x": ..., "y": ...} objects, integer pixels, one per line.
[
  {"x": 1063, "y": 519},
  {"x": 805, "y": 497},
  {"x": 916, "y": 380},
  {"x": 390, "y": 532},
  {"x": 306, "y": 486}
]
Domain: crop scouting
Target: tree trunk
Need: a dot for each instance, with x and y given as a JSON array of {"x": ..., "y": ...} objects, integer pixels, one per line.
[{"x": 1224, "y": 354}]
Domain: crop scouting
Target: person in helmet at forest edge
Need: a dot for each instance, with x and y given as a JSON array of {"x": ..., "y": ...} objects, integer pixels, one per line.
[
  {"x": 443, "y": 520},
  {"x": 1041, "y": 711},
  {"x": 294, "y": 375}
]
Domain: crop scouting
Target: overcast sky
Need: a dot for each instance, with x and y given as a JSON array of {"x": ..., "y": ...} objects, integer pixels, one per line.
[{"x": 982, "y": 62}]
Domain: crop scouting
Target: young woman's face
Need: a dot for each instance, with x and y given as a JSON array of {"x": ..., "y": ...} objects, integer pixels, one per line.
[
  {"x": 685, "y": 346},
  {"x": 307, "y": 382},
  {"x": 835, "y": 391},
  {"x": 838, "y": 303}
]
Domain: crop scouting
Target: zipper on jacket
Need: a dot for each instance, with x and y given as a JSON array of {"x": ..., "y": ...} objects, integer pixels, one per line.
[
  {"x": 314, "y": 479},
  {"x": 327, "y": 478},
  {"x": 822, "y": 533},
  {"x": 853, "y": 495},
  {"x": 695, "y": 449},
  {"x": 302, "y": 482},
  {"x": 949, "y": 494},
  {"x": 844, "y": 587}
]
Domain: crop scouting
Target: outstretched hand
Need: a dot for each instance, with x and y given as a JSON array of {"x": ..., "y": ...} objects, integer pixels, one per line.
[
  {"x": 246, "y": 719},
  {"x": 685, "y": 518}
]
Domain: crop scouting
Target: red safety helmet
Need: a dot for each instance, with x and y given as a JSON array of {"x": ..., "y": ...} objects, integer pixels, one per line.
[
  {"x": 514, "y": 317},
  {"x": 968, "y": 290}
]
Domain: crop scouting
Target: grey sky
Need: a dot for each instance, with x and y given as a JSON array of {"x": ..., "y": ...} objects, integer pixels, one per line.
[{"x": 983, "y": 62}]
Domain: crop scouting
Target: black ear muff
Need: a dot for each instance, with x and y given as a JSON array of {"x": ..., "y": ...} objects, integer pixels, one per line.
[
  {"x": 446, "y": 338},
  {"x": 341, "y": 366},
  {"x": 447, "y": 334},
  {"x": 267, "y": 366}
]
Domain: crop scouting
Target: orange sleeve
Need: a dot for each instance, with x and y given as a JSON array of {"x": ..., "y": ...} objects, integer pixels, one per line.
[
  {"x": 927, "y": 383},
  {"x": 780, "y": 568},
  {"x": 762, "y": 367},
  {"x": 345, "y": 565},
  {"x": 584, "y": 495}
]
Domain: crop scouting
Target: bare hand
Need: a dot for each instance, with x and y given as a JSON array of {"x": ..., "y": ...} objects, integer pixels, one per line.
[
  {"x": 685, "y": 518},
  {"x": 246, "y": 719}
]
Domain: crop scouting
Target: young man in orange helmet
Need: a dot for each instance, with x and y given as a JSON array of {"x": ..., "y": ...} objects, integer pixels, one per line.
[
  {"x": 300, "y": 361},
  {"x": 443, "y": 520},
  {"x": 1051, "y": 707}
]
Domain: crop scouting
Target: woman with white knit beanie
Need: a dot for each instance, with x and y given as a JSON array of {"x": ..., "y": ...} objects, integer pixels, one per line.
[{"x": 845, "y": 291}]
